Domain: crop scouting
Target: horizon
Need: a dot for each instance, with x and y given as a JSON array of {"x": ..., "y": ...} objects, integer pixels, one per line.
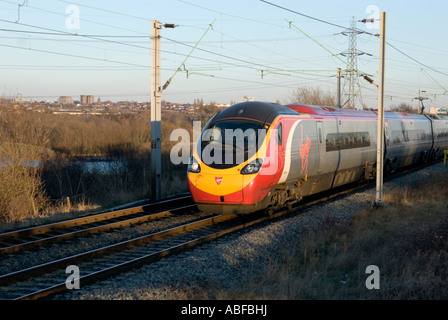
[{"x": 52, "y": 47}]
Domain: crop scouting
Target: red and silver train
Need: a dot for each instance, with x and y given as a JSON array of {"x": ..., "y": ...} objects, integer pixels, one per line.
[{"x": 256, "y": 155}]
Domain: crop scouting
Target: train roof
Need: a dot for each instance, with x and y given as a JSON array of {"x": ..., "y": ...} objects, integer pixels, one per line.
[
  {"x": 330, "y": 111},
  {"x": 264, "y": 112},
  {"x": 338, "y": 112},
  {"x": 404, "y": 116},
  {"x": 439, "y": 117}
]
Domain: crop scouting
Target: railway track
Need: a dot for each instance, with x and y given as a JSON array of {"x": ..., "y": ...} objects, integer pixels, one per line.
[
  {"x": 24, "y": 239},
  {"x": 42, "y": 280},
  {"x": 49, "y": 278}
]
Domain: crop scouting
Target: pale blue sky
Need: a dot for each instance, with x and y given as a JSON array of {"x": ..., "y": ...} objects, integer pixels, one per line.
[{"x": 41, "y": 58}]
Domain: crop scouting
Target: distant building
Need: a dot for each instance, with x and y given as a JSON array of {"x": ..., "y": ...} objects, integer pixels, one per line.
[
  {"x": 90, "y": 100},
  {"x": 87, "y": 100},
  {"x": 18, "y": 99},
  {"x": 65, "y": 100},
  {"x": 246, "y": 98},
  {"x": 222, "y": 105},
  {"x": 437, "y": 110}
]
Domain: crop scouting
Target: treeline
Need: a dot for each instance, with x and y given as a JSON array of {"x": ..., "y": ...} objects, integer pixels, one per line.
[
  {"x": 42, "y": 159},
  {"x": 75, "y": 135}
]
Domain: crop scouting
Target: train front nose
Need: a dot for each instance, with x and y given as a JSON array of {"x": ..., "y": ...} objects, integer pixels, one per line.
[
  {"x": 219, "y": 188},
  {"x": 216, "y": 172},
  {"x": 210, "y": 185},
  {"x": 216, "y": 192},
  {"x": 218, "y": 176}
]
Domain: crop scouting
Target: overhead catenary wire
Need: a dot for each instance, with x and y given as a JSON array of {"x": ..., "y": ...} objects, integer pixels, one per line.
[
  {"x": 76, "y": 35},
  {"x": 415, "y": 60},
  {"x": 304, "y": 15},
  {"x": 60, "y": 33},
  {"x": 432, "y": 78},
  {"x": 340, "y": 26},
  {"x": 106, "y": 10},
  {"x": 61, "y": 14},
  {"x": 65, "y": 40},
  {"x": 50, "y": 31},
  {"x": 114, "y": 36},
  {"x": 366, "y": 77},
  {"x": 245, "y": 63},
  {"x": 74, "y": 56},
  {"x": 186, "y": 58},
  {"x": 100, "y": 36}
]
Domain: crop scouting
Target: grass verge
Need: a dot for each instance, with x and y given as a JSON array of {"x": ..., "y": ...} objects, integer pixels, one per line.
[{"x": 407, "y": 240}]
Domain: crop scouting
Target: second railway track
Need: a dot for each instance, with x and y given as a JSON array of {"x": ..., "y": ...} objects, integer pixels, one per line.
[
  {"x": 27, "y": 238},
  {"x": 42, "y": 280}
]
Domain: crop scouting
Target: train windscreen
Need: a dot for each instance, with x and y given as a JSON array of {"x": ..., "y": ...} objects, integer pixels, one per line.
[{"x": 226, "y": 144}]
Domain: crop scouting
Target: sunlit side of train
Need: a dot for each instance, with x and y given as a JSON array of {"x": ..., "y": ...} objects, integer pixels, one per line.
[{"x": 256, "y": 155}]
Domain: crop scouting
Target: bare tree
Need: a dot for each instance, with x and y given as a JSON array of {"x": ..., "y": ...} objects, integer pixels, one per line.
[
  {"x": 23, "y": 140},
  {"x": 403, "y": 107},
  {"x": 22, "y": 193},
  {"x": 312, "y": 96}
]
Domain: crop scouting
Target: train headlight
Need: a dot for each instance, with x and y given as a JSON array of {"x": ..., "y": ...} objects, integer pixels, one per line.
[
  {"x": 193, "y": 165},
  {"x": 252, "y": 167}
]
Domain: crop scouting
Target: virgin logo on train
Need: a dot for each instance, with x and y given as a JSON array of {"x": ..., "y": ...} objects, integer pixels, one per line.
[{"x": 218, "y": 180}]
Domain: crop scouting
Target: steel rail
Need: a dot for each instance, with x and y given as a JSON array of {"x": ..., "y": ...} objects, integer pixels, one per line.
[
  {"x": 63, "y": 230},
  {"x": 25, "y": 274}
]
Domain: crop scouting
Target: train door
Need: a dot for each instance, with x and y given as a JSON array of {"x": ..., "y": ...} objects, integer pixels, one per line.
[
  {"x": 322, "y": 179},
  {"x": 279, "y": 141},
  {"x": 329, "y": 152},
  {"x": 321, "y": 143}
]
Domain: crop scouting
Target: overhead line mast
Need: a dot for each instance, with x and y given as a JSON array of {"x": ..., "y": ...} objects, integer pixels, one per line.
[
  {"x": 156, "y": 111},
  {"x": 380, "y": 135},
  {"x": 156, "y": 105}
]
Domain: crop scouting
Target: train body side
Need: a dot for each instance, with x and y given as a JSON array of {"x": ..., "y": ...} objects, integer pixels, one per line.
[
  {"x": 440, "y": 129},
  {"x": 409, "y": 139},
  {"x": 345, "y": 141}
]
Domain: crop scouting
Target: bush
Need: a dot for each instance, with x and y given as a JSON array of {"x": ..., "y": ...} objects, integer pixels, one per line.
[{"x": 22, "y": 193}]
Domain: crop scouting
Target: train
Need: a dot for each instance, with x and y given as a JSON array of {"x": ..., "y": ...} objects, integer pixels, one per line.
[{"x": 256, "y": 155}]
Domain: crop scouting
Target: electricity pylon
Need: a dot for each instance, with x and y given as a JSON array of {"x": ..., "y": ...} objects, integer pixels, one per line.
[{"x": 351, "y": 77}]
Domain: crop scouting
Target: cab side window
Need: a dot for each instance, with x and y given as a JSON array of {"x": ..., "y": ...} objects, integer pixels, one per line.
[{"x": 279, "y": 135}]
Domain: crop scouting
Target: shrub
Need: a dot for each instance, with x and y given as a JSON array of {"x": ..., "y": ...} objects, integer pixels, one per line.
[{"x": 22, "y": 193}]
